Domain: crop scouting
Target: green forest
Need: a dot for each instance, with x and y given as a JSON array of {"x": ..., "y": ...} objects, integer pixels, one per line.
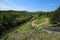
[{"x": 19, "y": 23}]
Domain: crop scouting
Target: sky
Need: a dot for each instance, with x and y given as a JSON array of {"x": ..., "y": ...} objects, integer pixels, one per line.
[{"x": 29, "y": 5}]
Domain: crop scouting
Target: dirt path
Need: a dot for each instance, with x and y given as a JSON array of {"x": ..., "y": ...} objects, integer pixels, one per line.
[{"x": 46, "y": 22}]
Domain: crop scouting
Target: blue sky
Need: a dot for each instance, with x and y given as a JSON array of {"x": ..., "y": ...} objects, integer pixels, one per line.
[{"x": 29, "y": 5}]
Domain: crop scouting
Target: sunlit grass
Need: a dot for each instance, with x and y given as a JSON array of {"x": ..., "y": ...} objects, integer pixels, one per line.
[
  {"x": 39, "y": 21},
  {"x": 23, "y": 30},
  {"x": 45, "y": 25}
]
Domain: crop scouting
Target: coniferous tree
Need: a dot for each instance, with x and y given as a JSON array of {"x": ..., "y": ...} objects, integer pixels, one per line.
[{"x": 55, "y": 16}]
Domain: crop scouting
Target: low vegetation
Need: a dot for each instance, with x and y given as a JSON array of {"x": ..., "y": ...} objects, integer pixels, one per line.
[
  {"x": 25, "y": 32},
  {"x": 39, "y": 21},
  {"x": 20, "y": 23},
  {"x": 19, "y": 33}
]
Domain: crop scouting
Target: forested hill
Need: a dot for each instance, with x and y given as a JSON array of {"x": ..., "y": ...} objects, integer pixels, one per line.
[{"x": 11, "y": 19}]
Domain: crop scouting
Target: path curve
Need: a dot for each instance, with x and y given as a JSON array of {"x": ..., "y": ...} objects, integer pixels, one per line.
[
  {"x": 46, "y": 22},
  {"x": 37, "y": 25}
]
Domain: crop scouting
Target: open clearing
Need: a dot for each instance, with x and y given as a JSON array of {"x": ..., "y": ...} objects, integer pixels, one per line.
[{"x": 43, "y": 22}]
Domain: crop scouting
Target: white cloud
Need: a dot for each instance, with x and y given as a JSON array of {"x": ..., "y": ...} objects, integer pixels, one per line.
[
  {"x": 10, "y": 5},
  {"x": 4, "y": 6}
]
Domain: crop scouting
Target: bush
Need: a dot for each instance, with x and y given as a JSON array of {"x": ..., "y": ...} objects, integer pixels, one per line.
[{"x": 55, "y": 17}]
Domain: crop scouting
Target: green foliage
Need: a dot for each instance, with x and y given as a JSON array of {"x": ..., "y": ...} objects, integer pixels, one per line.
[
  {"x": 36, "y": 34},
  {"x": 10, "y": 19},
  {"x": 39, "y": 21},
  {"x": 55, "y": 17},
  {"x": 22, "y": 32},
  {"x": 45, "y": 25}
]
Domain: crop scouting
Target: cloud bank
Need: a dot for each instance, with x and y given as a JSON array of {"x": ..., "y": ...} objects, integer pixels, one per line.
[{"x": 9, "y": 5}]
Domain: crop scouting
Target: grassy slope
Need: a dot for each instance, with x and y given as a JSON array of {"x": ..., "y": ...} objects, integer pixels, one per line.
[
  {"x": 22, "y": 32},
  {"x": 26, "y": 33}
]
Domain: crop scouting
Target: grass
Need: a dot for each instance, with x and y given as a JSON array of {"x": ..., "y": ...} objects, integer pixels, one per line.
[
  {"x": 39, "y": 21},
  {"x": 42, "y": 20},
  {"x": 25, "y": 32},
  {"x": 45, "y": 25},
  {"x": 22, "y": 32},
  {"x": 40, "y": 35}
]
